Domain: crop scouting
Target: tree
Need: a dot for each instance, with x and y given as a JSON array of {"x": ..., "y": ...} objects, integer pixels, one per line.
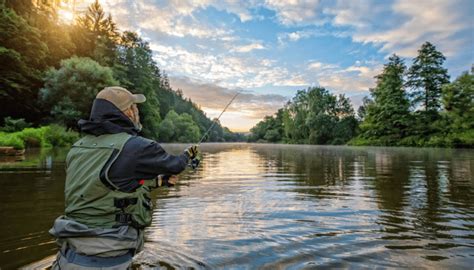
[
  {"x": 362, "y": 110},
  {"x": 186, "y": 129},
  {"x": 457, "y": 122},
  {"x": 136, "y": 69},
  {"x": 426, "y": 76},
  {"x": 178, "y": 128},
  {"x": 32, "y": 39},
  {"x": 96, "y": 35},
  {"x": 166, "y": 131},
  {"x": 388, "y": 116},
  {"x": 313, "y": 116},
  {"x": 69, "y": 91},
  {"x": 458, "y": 102},
  {"x": 22, "y": 54}
]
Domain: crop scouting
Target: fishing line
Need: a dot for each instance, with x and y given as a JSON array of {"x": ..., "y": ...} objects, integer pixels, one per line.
[
  {"x": 217, "y": 119},
  {"x": 195, "y": 162}
]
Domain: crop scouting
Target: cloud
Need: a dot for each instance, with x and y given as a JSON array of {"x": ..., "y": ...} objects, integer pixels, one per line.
[
  {"x": 301, "y": 12},
  {"x": 315, "y": 65},
  {"x": 249, "y": 47},
  {"x": 227, "y": 70},
  {"x": 202, "y": 46},
  {"x": 402, "y": 27},
  {"x": 212, "y": 98},
  {"x": 294, "y": 36},
  {"x": 294, "y": 80},
  {"x": 172, "y": 18},
  {"x": 355, "y": 78}
]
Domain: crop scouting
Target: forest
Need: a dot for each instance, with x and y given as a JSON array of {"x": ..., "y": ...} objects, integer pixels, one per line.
[
  {"x": 409, "y": 106},
  {"x": 51, "y": 72}
]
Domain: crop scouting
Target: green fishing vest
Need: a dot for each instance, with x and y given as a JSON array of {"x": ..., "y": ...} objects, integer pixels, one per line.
[{"x": 91, "y": 198}]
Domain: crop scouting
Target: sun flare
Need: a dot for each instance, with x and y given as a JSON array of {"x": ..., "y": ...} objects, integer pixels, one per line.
[{"x": 66, "y": 16}]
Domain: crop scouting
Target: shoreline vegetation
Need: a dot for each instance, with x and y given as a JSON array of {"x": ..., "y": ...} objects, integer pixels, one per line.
[
  {"x": 414, "y": 107},
  {"x": 53, "y": 71},
  {"x": 42, "y": 137}
]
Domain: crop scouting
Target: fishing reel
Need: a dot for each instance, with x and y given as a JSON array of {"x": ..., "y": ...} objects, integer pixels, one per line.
[{"x": 194, "y": 163}]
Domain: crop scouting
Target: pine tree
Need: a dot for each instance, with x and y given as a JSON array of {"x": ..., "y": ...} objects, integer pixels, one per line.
[
  {"x": 96, "y": 35},
  {"x": 458, "y": 101},
  {"x": 136, "y": 69},
  {"x": 426, "y": 77},
  {"x": 388, "y": 115}
]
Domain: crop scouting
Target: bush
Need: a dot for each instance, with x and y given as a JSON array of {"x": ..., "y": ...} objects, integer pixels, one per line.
[
  {"x": 32, "y": 137},
  {"x": 438, "y": 141},
  {"x": 13, "y": 125},
  {"x": 463, "y": 140},
  {"x": 68, "y": 92},
  {"x": 360, "y": 141},
  {"x": 47, "y": 136},
  {"x": 11, "y": 140},
  {"x": 57, "y": 136}
]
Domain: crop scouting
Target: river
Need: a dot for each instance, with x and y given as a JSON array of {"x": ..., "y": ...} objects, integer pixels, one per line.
[{"x": 275, "y": 206}]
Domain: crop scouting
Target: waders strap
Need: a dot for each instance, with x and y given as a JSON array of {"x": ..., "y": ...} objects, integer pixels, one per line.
[{"x": 123, "y": 218}]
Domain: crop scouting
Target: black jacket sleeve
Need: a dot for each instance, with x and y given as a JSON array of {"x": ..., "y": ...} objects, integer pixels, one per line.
[
  {"x": 143, "y": 159},
  {"x": 153, "y": 159}
]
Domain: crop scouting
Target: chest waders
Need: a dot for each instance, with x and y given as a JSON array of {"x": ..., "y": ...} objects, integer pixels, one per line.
[{"x": 91, "y": 198}]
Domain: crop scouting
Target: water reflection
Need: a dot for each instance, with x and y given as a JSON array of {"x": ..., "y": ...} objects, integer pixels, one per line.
[
  {"x": 31, "y": 197},
  {"x": 298, "y": 206},
  {"x": 280, "y": 206}
]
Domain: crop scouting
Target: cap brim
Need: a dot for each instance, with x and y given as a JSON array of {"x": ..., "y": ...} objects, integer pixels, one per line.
[{"x": 139, "y": 98}]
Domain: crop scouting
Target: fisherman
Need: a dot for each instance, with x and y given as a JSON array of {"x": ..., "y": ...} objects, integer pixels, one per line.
[{"x": 109, "y": 175}]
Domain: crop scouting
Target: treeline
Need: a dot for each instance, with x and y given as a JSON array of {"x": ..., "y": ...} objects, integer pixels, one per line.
[
  {"x": 51, "y": 72},
  {"x": 415, "y": 106}
]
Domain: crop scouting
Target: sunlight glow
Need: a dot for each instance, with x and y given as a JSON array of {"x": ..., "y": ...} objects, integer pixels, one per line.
[{"x": 66, "y": 16}]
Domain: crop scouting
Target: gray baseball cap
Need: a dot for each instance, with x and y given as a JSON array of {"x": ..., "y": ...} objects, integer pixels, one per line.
[{"x": 120, "y": 97}]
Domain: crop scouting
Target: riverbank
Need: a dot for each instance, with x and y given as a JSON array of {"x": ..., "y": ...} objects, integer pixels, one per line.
[
  {"x": 45, "y": 136},
  {"x": 451, "y": 140}
]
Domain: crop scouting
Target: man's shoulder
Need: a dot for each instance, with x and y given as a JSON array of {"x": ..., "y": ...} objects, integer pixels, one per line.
[{"x": 139, "y": 143}]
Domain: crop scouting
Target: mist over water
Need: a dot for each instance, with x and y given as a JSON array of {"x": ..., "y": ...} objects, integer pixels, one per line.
[{"x": 277, "y": 206}]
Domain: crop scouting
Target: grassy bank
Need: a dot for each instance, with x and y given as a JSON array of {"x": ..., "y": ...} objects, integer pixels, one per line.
[
  {"x": 450, "y": 140},
  {"x": 46, "y": 136}
]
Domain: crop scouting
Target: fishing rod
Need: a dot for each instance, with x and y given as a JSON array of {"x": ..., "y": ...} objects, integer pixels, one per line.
[
  {"x": 217, "y": 119},
  {"x": 195, "y": 162}
]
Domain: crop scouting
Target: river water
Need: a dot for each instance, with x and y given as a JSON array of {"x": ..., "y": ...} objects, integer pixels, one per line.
[{"x": 275, "y": 207}]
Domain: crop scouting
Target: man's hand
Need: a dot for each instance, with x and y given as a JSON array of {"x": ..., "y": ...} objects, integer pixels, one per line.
[
  {"x": 192, "y": 151},
  {"x": 173, "y": 180},
  {"x": 167, "y": 180}
]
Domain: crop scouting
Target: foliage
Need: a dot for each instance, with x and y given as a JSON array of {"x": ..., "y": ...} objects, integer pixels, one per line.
[
  {"x": 426, "y": 77},
  {"x": 458, "y": 103},
  {"x": 136, "y": 69},
  {"x": 179, "y": 128},
  {"x": 22, "y": 54},
  {"x": 388, "y": 121},
  {"x": 46, "y": 136},
  {"x": 32, "y": 137},
  {"x": 96, "y": 35},
  {"x": 70, "y": 90},
  {"x": 12, "y": 125},
  {"x": 8, "y": 139},
  {"x": 58, "y": 136},
  {"x": 313, "y": 116},
  {"x": 388, "y": 116},
  {"x": 41, "y": 54}
]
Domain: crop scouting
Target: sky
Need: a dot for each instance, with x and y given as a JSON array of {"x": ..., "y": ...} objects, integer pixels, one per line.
[{"x": 268, "y": 50}]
